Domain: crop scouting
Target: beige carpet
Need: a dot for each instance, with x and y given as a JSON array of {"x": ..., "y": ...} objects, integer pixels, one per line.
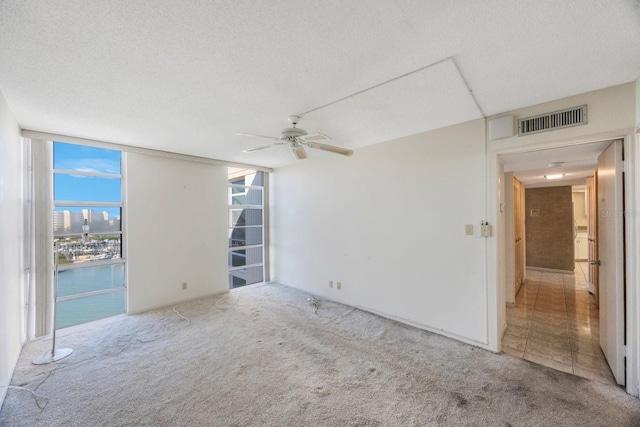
[{"x": 268, "y": 360}]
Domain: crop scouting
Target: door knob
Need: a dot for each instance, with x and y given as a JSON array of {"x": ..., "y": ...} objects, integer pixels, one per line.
[{"x": 595, "y": 262}]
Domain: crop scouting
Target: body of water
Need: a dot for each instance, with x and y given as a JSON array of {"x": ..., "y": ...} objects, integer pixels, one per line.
[{"x": 79, "y": 281}]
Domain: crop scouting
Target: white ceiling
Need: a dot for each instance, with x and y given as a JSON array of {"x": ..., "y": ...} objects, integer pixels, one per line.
[
  {"x": 184, "y": 76},
  {"x": 578, "y": 163}
]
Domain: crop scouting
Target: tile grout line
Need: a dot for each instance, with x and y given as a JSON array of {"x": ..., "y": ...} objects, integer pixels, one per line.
[
  {"x": 530, "y": 327},
  {"x": 566, "y": 313}
]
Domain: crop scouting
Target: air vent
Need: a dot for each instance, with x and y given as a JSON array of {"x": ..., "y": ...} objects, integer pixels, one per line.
[{"x": 557, "y": 120}]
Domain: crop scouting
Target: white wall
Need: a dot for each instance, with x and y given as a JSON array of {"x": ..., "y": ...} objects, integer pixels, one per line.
[
  {"x": 11, "y": 246},
  {"x": 609, "y": 110},
  {"x": 388, "y": 223},
  {"x": 176, "y": 230}
]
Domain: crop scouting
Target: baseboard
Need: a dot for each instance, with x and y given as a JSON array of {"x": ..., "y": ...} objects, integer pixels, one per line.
[
  {"x": 178, "y": 302},
  {"x": 550, "y": 270},
  {"x": 439, "y": 331}
]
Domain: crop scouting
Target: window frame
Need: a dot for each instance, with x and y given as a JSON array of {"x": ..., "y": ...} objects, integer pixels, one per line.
[
  {"x": 90, "y": 205},
  {"x": 264, "y": 226}
]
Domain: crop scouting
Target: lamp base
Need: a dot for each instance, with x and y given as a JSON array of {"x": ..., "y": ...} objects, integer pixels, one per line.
[{"x": 49, "y": 357}]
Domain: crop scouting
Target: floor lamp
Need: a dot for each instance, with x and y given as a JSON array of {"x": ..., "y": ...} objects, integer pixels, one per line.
[{"x": 54, "y": 354}]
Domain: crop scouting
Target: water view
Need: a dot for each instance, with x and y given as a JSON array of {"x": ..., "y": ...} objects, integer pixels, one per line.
[{"x": 80, "y": 281}]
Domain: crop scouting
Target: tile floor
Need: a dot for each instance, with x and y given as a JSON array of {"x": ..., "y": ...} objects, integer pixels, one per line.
[{"x": 555, "y": 323}]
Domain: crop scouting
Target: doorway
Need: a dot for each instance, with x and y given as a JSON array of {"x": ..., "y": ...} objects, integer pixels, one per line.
[{"x": 554, "y": 319}]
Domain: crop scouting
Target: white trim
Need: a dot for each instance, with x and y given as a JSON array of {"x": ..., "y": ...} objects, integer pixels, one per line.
[
  {"x": 419, "y": 325},
  {"x": 26, "y": 133},
  {"x": 251, "y": 187},
  {"x": 632, "y": 273},
  {"x": 89, "y": 264},
  {"x": 82, "y": 203},
  {"x": 244, "y": 267},
  {"x": 123, "y": 227},
  {"x": 266, "y": 275},
  {"x": 243, "y": 207},
  {"x": 240, "y": 248},
  {"x": 91, "y": 294}
]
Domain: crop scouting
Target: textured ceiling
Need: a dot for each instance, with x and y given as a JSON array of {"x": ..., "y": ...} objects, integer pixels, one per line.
[
  {"x": 578, "y": 162},
  {"x": 184, "y": 76}
]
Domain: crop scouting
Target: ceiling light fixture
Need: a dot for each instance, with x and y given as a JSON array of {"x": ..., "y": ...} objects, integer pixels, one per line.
[{"x": 555, "y": 176}]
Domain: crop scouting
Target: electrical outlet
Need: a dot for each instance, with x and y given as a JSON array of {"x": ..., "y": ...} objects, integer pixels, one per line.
[
  {"x": 339, "y": 285},
  {"x": 184, "y": 285},
  {"x": 468, "y": 229},
  {"x": 331, "y": 283}
]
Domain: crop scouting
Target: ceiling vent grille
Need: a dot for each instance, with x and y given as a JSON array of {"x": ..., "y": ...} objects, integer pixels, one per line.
[{"x": 557, "y": 120}]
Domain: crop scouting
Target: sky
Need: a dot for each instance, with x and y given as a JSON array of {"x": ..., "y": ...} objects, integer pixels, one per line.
[{"x": 86, "y": 188}]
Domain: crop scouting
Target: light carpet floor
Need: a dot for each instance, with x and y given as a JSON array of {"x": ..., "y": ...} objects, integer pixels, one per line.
[{"x": 259, "y": 356}]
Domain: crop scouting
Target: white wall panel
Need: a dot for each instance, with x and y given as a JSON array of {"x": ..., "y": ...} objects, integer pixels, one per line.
[
  {"x": 388, "y": 223},
  {"x": 11, "y": 244},
  {"x": 175, "y": 230}
]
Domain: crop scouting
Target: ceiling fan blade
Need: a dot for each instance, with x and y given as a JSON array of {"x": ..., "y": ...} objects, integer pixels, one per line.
[
  {"x": 253, "y": 135},
  {"x": 316, "y": 137},
  {"x": 331, "y": 148},
  {"x": 300, "y": 152},
  {"x": 249, "y": 150}
]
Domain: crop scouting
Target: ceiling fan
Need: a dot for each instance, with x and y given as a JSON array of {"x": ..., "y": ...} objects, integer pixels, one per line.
[{"x": 297, "y": 139}]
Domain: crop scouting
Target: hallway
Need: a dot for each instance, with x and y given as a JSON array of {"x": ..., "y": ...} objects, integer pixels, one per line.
[{"x": 555, "y": 323}]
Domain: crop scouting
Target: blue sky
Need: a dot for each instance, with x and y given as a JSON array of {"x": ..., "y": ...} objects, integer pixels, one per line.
[{"x": 88, "y": 159}]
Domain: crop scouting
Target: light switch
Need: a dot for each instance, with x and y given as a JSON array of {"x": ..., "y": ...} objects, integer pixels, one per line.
[{"x": 468, "y": 229}]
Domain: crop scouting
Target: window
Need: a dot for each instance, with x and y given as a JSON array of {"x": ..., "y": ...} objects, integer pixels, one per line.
[
  {"x": 246, "y": 227},
  {"x": 87, "y": 232}
]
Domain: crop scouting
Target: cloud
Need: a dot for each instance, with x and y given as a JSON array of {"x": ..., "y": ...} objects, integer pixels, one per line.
[{"x": 90, "y": 165}]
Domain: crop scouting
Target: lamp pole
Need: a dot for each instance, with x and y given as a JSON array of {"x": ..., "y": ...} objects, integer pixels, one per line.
[{"x": 53, "y": 355}]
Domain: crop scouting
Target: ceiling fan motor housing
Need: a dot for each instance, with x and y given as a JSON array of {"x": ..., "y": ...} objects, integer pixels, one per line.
[{"x": 289, "y": 133}]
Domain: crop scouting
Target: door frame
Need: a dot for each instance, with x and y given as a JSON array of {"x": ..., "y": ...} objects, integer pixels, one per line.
[{"x": 495, "y": 254}]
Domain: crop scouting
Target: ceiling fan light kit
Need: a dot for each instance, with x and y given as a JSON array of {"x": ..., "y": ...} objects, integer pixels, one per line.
[{"x": 297, "y": 139}]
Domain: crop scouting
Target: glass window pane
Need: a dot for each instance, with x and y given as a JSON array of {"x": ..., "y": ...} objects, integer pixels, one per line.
[
  {"x": 86, "y": 188},
  {"x": 89, "y": 279},
  {"x": 245, "y": 276},
  {"x": 237, "y": 199},
  {"x": 245, "y": 236},
  {"x": 256, "y": 179},
  {"x": 252, "y": 196},
  {"x": 74, "y": 250},
  {"x": 237, "y": 181},
  {"x": 245, "y": 217},
  {"x": 70, "y": 219},
  {"x": 86, "y": 159},
  {"x": 81, "y": 310},
  {"x": 248, "y": 256}
]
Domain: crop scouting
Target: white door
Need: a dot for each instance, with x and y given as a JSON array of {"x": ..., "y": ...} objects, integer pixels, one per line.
[
  {"x": 611, "y": 255},
  {"x": 592, "y": 231}
]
